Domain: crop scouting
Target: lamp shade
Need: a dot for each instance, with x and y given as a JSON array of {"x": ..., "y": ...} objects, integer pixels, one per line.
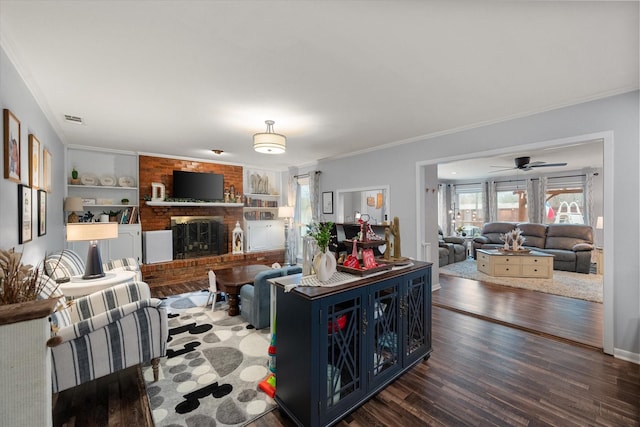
[
  {"x": 600, "y": 223},
  {"x": 73, "y": 204},
  {"x": 285, "y": 212},
  {"x": 92, "y": 231},
  {"x": 269, "y": 142}
]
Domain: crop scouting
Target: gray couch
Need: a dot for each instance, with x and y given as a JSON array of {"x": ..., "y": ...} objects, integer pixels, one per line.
[
  {"x": 570, "y": 244},
  {"x": 450, "y": 249}
]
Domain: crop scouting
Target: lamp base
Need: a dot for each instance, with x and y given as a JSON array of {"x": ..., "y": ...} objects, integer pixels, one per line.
[
  {"x": 73, "y": 218},
  {"x": 93, "y": 267}
]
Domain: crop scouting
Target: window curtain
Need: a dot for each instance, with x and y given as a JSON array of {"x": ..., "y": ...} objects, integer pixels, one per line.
[
  {"x": 485, "y": 201},
  {"x": 533, "y": 204},
  {"x": 314, "y": 193},
  {"x": 293, "y": 195},
  {"x": 442, "y": 207},
  {"x": 493, "y": 202},
  {"x": 542, "y": 199},
  {"x": 453, "y": 206},
  {"x": 588, "y": 195}
]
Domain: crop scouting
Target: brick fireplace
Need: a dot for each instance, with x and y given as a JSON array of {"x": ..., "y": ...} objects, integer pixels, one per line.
[{"x": 160, "y": 169}]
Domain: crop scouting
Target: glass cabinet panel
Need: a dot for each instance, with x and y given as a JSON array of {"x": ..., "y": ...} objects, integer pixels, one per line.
[
  {"x": 386, "y": 328},
  {"x": 344, "y": 341}
]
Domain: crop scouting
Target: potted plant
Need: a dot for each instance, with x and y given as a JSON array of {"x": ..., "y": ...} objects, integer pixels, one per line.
[
  {"x": 113, "y": 215},
  {"x": 324, "y": 261},
  {"x": 74, "y": 177},
  {"x": 18, "y": 283},
  {"x": 125, "y": 201}
]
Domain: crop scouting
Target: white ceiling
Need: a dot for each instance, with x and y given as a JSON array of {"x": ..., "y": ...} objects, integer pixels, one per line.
[{"x": 184, "y": 77}]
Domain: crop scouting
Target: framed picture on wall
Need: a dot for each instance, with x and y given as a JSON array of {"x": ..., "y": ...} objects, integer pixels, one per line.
[
  {"x": 42, "y": 212},
  {"x": 46, "y": 170},
  {"x": 11, "y": 146},
  {"x": 24, "y": 213},
  {"x": 327, "y": 202},
  {"x": 34, "y": 162}
]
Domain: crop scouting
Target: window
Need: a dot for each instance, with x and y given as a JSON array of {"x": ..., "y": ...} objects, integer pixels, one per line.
[
  {"x": 511, "y": 197},
  {"x": 303, "y": 211},
  {"x": 469, "y": 212}
]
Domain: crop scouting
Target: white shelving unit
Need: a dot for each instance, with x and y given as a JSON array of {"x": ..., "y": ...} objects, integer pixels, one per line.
[
  {"x": 264, "y": 230},
  {"x": 113, "y": 167}
]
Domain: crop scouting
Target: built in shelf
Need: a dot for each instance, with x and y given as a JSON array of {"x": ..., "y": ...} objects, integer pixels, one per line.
[{"x": 198, "y": 204}]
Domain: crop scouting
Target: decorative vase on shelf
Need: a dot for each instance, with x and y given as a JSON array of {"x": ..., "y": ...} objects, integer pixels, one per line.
[{"x": 324, "y": 263}]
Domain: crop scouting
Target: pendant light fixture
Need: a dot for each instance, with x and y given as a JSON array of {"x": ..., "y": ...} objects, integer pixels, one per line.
[{"x": 269, "y": 142}]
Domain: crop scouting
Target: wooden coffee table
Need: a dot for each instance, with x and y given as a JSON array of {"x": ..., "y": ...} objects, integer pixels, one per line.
[
  {"x": 232, "y": 279},
  {"x": 532, "y": 264}
]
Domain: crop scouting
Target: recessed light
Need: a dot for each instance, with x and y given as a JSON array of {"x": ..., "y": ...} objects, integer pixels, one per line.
[
  {"x": 454, "y": 173},
  {"x": 217, "y": 152}
]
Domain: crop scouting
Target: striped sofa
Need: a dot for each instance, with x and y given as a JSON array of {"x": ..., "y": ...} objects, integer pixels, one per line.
[
  {"x": 104, "y": 332},
  {"x": 66, "y": 263}
]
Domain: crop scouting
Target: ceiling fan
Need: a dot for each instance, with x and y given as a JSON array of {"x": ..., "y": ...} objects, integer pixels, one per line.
[{"x": 525, "y": 164}]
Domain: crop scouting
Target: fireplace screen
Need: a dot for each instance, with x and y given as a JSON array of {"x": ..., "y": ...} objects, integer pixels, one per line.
[{"x": 198, "y": 236}]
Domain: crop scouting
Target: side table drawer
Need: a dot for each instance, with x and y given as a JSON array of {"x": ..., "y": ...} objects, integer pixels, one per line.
[
  {"x": 535, "y": 270},
  {"x": 507, "y": 270}
]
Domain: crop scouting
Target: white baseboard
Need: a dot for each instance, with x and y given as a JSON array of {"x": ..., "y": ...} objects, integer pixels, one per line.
[
  {"x": 626, "y": 355},
  {"x": 435, "y": 286}
]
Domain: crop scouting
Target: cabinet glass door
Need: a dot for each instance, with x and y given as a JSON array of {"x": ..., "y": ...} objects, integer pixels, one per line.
[
  {"x": 416, "y": 308},
  {"x": 385, "y": 329},
  {"x": 341, "y": 378}
]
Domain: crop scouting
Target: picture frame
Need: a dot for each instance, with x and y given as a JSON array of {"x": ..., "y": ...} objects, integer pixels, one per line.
[
  {"x": 47, "y": 164},
  {"x": 11, "y": 146},
  {"x": 42, "y": 212},
  {"x": 88, "y": 201},
  {"x": 327, "y": 202},
  {"x": 34, "y": 162},
  {"x": 24, "y": 214},
  {"x": 370, "y": 201}
]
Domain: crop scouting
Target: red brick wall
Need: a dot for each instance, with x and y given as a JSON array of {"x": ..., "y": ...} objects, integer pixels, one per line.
[{"x": 160, "y": 169}]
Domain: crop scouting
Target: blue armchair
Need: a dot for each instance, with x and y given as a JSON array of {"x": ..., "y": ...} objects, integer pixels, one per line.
[{"x": 255, "y": 299}]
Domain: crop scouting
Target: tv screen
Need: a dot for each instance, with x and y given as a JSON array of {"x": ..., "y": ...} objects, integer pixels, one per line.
[{"x": 198, "y": 186}]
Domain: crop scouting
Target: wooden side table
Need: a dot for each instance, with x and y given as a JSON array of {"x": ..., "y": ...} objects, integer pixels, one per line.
[{"x": 599, "y": 259}]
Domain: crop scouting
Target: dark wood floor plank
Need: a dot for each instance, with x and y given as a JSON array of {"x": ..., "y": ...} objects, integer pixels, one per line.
[
  {"x": 480, "y": 373},
  {"x": 566, "y": 318}
]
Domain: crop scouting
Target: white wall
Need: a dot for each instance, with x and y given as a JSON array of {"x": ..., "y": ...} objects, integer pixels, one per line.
[
  {"x": 617, "y": 115},
  {"x": 15, "y": 96}
]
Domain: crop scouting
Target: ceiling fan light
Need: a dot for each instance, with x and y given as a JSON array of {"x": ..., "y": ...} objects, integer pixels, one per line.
[{"x": 269, "y": 142}]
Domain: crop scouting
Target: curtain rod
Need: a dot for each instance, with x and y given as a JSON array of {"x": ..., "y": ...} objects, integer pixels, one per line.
[
  {"x": 306, "y": 175},
  {"x": 551, "y": 177}
]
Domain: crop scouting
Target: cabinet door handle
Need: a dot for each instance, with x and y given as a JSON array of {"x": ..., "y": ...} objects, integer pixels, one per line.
[{"x": 365, "y": 322}]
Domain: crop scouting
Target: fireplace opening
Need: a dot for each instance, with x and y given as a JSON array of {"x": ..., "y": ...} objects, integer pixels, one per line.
[{"x": 198, "y": 236}]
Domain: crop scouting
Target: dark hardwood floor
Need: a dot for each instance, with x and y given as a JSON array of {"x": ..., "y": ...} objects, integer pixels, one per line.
[
  {"x": 536, "y": 312},
  {"x": 481, "y": 372}
]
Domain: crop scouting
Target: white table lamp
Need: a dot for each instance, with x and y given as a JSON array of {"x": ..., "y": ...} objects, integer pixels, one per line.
[
  {"x": 73, "y": 205},
  {"x": 92, "y": 232}
]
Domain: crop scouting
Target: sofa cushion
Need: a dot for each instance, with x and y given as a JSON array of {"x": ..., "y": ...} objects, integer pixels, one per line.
[
  {"x": 534, "y": 234},
  {"x": 566, "y": 236},
  {"x": 493, "y": 230}
]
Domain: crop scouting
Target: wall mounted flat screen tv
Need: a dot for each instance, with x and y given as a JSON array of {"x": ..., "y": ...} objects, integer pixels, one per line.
[{"x": 198, "y": 185}]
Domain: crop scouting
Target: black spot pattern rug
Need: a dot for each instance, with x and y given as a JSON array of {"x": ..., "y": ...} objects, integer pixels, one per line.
[{"x": 212, "y": 370}]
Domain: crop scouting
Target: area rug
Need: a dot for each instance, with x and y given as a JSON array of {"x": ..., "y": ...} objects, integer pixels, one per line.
[
  {"x": 575, "y": 285},
  {"x": 212, "y": 370}
]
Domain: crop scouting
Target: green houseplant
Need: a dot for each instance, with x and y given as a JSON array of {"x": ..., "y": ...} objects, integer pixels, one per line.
[{"x": 324, "y": 262}]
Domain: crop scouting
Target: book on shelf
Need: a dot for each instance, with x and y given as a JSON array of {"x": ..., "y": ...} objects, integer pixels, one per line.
[{"x": 130, "y": 215}]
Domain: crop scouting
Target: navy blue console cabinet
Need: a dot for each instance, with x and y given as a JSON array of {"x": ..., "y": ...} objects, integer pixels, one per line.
[{"x": 338, "y": 346}]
